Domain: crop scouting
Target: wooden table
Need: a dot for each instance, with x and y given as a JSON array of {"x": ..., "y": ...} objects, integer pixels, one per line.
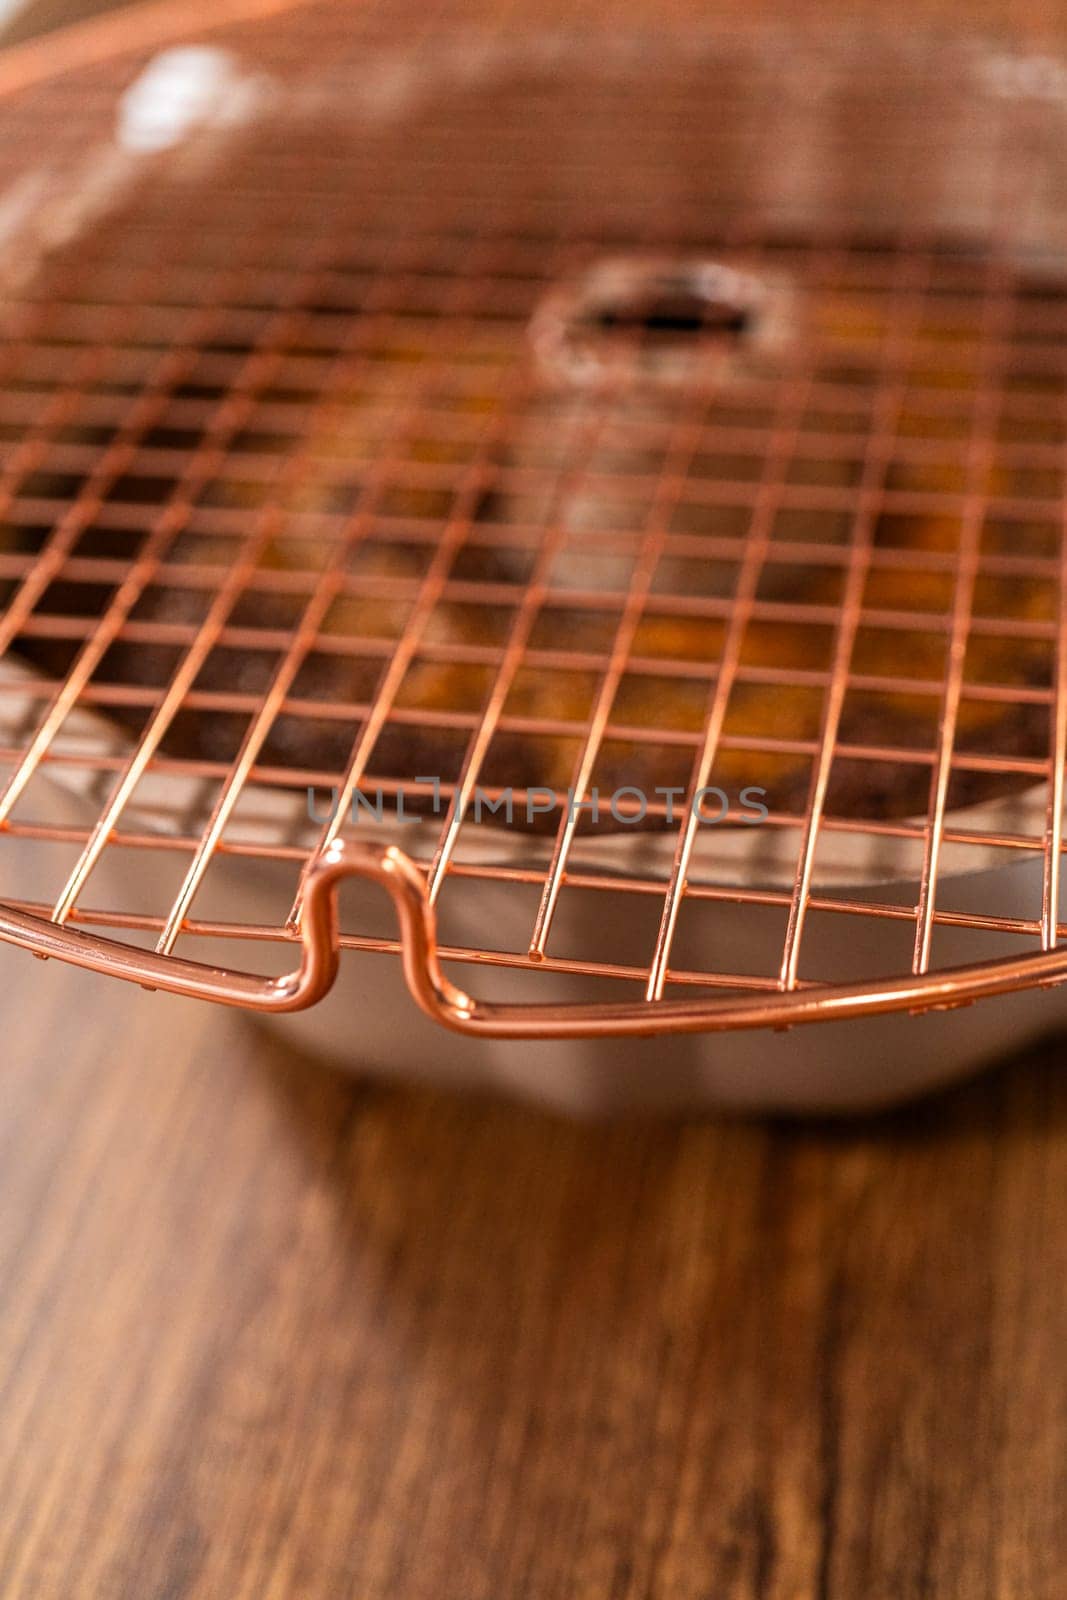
[
  {"x": 268, "y": 1333},
  {"x": 265, "y": 1333}
]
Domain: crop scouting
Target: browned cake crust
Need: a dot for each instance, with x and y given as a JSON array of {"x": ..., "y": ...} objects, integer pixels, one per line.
[{"x": 765, "y": 721}]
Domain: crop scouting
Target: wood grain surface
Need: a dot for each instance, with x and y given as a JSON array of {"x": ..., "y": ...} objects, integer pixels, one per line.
[{"x": 266, "y": 1333}]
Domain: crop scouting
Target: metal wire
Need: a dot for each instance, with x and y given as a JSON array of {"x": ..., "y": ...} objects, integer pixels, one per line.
[{"x": 288, "y": 503}]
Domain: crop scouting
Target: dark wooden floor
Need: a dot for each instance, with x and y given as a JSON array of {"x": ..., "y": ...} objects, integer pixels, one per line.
[{"x": 266, "y": 1333}]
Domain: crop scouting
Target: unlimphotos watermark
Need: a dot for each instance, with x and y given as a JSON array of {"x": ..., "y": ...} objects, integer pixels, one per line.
[{"x": 628, "y": 806}]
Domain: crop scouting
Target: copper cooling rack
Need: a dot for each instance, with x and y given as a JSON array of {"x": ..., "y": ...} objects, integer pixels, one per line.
[{"x": 500, "y": 560}]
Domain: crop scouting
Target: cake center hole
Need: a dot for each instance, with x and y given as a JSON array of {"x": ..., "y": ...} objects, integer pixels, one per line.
[
  {"x": 671, "y": 311},
  {"x": 649, "y": 320}
]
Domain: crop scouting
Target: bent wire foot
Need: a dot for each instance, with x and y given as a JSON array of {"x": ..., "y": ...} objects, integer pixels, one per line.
[
  {"x": 447, "y": 1004},
  {"x": 296, "y": 990}
]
